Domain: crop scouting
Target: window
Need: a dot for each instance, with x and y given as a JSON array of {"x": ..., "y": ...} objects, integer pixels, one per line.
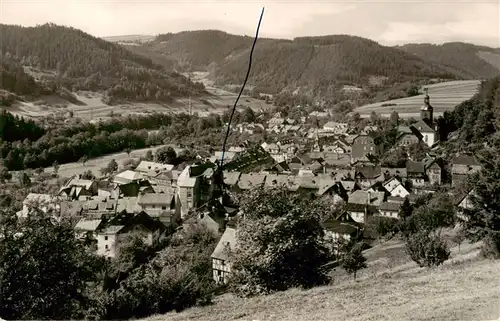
[
  {"x": 106, "y": 238},
  {"x": 106, "y": 246},
  {"x": 163, "y": 207},
  {"x": 189, "y": 193}
]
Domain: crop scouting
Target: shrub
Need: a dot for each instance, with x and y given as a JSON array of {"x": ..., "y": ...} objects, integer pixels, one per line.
[
  {"x": 382, "y": 226},
  {"x": 427, "y": 250}
]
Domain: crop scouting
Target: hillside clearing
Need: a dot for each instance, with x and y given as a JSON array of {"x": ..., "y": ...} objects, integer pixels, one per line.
[
  {"x": 391, "y": 288},
  {"x": 444, "y": 96}
]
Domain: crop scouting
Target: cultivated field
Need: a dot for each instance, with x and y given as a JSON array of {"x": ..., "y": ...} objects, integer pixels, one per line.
[
  {"x": 443, "y": 96},
  {"x": 391, "y": 288}
]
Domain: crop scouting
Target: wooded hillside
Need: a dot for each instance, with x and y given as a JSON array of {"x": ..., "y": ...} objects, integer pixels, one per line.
[
  {"x": 80, "y": 61},
  {"x": 461, "y": 58}
]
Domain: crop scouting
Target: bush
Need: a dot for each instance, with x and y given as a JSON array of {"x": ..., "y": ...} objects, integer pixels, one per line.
[
  {"x": 427, "y": 250},
  {"x": 382, "y": 226}
]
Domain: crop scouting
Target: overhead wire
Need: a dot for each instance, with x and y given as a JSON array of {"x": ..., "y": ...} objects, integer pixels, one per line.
[{"x": 242, "y": 88}]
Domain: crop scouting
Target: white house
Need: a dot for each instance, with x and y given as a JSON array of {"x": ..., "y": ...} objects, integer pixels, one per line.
[{"x": 395, "y": 188}]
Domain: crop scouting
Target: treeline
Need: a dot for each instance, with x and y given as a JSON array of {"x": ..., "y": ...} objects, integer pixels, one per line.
[
  {"x": 14, "y": 128},
  {"x": 473, "y": 120},
  {"x": 26, "y": 145},
  {"x": 458, "y": 57},
  {"x": 81, "y": 61}
]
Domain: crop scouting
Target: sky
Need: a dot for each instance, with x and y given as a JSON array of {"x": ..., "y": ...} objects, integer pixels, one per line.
[{"x": 387, "y": 22}]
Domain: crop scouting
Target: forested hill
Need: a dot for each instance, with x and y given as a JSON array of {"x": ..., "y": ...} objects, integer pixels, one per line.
[
  {"x": 464, "y": 59},
  {"x": 319, "y": 64},
  {"x": 316, "y": 64},
  {"x": 80, "y": 61}
]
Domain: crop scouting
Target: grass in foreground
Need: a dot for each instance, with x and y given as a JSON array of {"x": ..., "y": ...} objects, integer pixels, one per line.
[{"x": 391, "y": 288}]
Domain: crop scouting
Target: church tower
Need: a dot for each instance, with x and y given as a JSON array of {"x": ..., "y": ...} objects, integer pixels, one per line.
[{"x": 426, "y": 111}]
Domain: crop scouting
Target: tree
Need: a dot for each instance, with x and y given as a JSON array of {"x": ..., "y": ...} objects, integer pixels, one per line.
[
  {"x": 280, "y": 244},
  {"x": 374, "y": 118},
  {"x": 353, "y": 261},
  {"x": 88, "y": 175},
  {"x": 413, "y": 91},
  {"x": 483, "y": 220},
  {"x": 166, "y": 155},
  {"x": 24, "y": 180},
  {"x": 149, "y": 155},
  {"x": 128, "y": 150},
  {"x": 5, "y": 175},
  {"x": 84, "y": 159},
  {"x": 459, "y": 237},
  {"x": 427, "y": 249},
  {"x": 112, "y": 166},
  {"x": 55, "y": 165},
  {"x": 394, "y": 119},
  {"x": 44, "y": 271}
]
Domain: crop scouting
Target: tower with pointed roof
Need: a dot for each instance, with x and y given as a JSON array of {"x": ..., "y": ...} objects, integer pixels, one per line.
[{"x": 426, "y": 111}]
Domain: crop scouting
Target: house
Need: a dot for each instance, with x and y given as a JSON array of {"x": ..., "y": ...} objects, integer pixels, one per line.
[
  {"x": 77, "y": 188},
  {"x": 275, "y": 121},
  {"x": 87, "y": 228},
  {"x": 45, "y": 203},
  {"x": 221, "y": 264},
  {"x": 395, "y": 188},
  {"x": 127, "y": 177},
  {"x": 231, "y": 178},
  {"x": 416, "y": 173},
  {"x": 228, "y": 156},
  {"x": 364, "y": 145},
  {"x": 433, "y": 171},
  {"x": 368, "y": 175},
  {"x": 162, "y": 206},
  {"x": 162, "y": 178},
  {"x": 188, "y": 190},
  {"x": 400, "y": 173},
  {"x": 407, "y": 139},
  {"x": 389, "y": 209},
  {"x": 363, "y": 203},
  {"x": 464, "y": 202},
  {"x": 337, "y": 128},
  {"x": 148, "y": 167},
  {"x": 429, "y": 135},
  {"x": 341, "y": 231},
  {"x": 462, "y": 166},
  {"x": 114, "y": 232},
  {"x": 249, "y": 181}
]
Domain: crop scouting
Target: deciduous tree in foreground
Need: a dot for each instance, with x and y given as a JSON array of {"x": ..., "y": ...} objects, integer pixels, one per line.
[{"x": 280, "y": 244}]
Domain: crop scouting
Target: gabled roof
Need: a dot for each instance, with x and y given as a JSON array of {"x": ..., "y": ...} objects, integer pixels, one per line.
[
  {"x": 251, "y": 180},
  {"x": 415, "y": 167},
  {"x": 368, "y": 172},
  {"x": 231, "y": 178},
  {"x": 185, "y": 180},
  {"x": 422, "y": 127},
  {"x": 155, "y": 199},
  {"x": 127, "y": 176},
  {"x": 465, "y": 160},
  {"x": 227, "y": 243},
  {"x": 390, "y": 206},
  {"x": 363, "y": 197},
  {"x": 146, "y": 166},
  {"x": 88, "y": 224}
]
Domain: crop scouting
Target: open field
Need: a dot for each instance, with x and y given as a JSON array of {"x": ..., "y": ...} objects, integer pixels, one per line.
[
  {"x": 90, "y": 106},
  {"x": 443, "y": 96},
  {"x": 95, "y": 164},
  {"x": 391, "y": 288}
]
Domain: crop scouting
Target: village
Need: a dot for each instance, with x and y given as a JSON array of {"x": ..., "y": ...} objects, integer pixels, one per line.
[{"x": 334, "y": 163}]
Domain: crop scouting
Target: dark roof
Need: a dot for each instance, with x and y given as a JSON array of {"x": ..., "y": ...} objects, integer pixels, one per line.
[
  {"x": 353, "y": 207},
  {"x": 465, "y": 160},
  {"x": 390, "y": 206},
  {"x": 415, "y": 167},
  {"x": 369, "y": 172},
  {"x": 340, "y": 227}
]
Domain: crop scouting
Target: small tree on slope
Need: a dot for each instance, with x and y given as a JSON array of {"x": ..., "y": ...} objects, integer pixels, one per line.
[{"x": 354, "y": 260}]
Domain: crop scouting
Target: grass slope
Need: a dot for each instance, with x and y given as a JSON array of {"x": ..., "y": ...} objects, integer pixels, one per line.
[
  {"x": 444, "y": 96},
  {"x": 391, "y": 288}
]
